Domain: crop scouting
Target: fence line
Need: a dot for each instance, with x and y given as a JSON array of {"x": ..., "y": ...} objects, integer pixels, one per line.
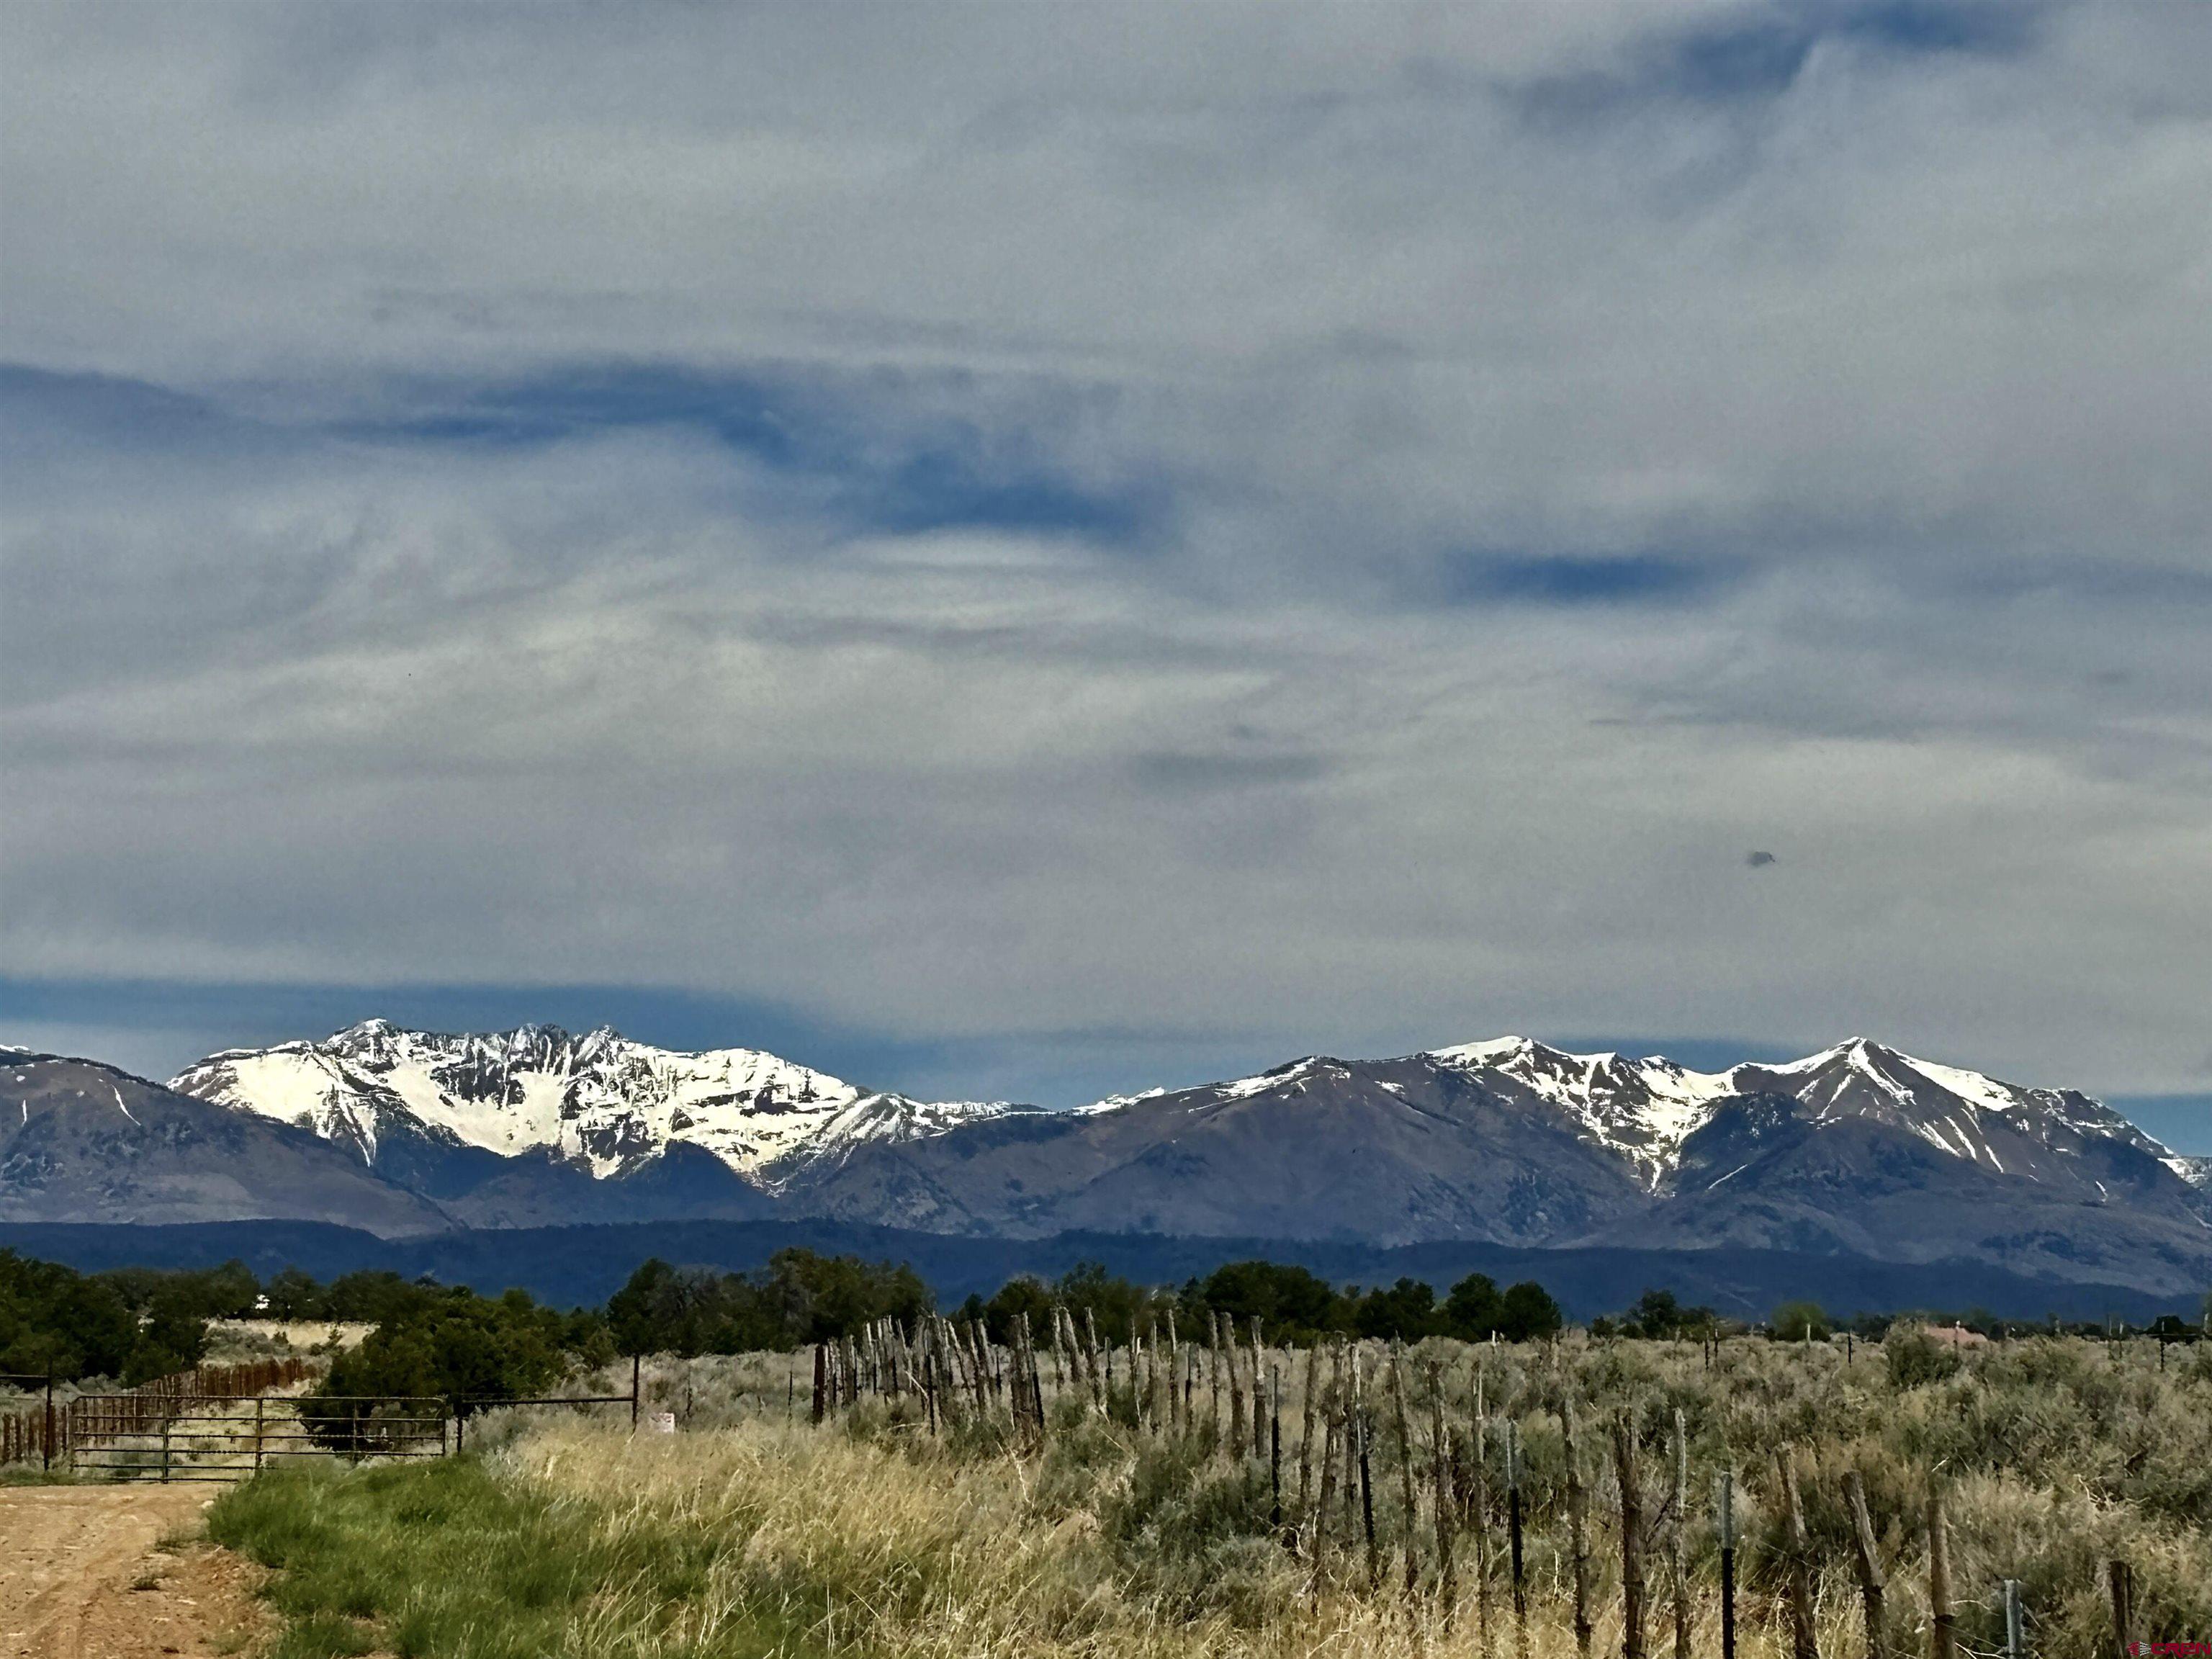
[{"x": 49, "y": 1431}]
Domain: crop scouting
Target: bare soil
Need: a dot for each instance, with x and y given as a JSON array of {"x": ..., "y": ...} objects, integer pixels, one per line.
[{"x": 80, "y": 1577}]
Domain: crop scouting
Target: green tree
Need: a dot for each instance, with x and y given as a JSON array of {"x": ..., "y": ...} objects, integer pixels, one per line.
[
  {"x": 1473, "y": 1308},
  {"x": 1801, "y": 1321},
  {"x": 1291, "y": 1304},
  {"x": 1527, "y": 1312},
  {"x": 1405, "y": 1312}
]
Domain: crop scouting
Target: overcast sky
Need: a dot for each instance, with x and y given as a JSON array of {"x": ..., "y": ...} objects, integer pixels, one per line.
[{"x": 1028, "y": 550}]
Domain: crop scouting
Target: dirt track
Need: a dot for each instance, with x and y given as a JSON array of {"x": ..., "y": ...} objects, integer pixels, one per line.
[{"x": 80, "y": 1577}]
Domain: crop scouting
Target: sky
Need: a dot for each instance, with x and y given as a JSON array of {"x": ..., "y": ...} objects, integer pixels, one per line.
[{"x": 1025, "y": 551}]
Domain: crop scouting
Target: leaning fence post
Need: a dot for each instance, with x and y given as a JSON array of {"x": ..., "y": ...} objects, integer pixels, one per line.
[
  {"x": 1870, "y": 1565},
  {"x": 1803, "y": 1643}
]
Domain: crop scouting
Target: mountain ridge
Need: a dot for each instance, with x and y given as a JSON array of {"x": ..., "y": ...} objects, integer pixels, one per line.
[{"x": 1858, "y": 1150}]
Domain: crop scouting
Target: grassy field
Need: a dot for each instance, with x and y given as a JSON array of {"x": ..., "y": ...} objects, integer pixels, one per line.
[{"x": 752, "y": 1532}]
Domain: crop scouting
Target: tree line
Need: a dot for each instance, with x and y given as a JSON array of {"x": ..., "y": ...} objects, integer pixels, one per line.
[{"x": 133, "y": 1324}]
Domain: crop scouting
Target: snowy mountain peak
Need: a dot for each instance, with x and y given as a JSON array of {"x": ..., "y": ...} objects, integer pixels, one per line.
[
  {"x": 598, "y": 1100},
  {"x": 1645, "y": 1109}
]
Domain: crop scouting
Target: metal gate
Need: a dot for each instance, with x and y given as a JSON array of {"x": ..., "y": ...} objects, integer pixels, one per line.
[{"x": 229, "y": 1438}]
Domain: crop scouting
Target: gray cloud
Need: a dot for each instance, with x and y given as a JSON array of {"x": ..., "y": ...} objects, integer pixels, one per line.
[{"x": 1248, "y": 527}]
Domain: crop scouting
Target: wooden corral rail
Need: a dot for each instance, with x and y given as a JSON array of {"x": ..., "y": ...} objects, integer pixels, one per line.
[{"x": 48, "y": 1432}]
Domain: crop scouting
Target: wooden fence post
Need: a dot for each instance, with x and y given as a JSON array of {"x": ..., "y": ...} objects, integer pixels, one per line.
[
  {"x": 1275, "y": 1448},
  {"x": 1870, "y": 1566},
  {"x": 1362, "y": 1425},
  {"x": 1478, "y": 1513},
  {"x": 1724, "y": 1507},
  {"x": 1306, "y": 1425},
  {"x": 1447, "y": 1570},
  {"x": 1803, "y": 1643},
  {"x": 1681, "y": 1538},
  {"x": 1631, "y": 1539},
  {"x": 1317, "y": 1523},
  {"x": 1238, "y": 1431},
  {"x": 821, "y": 1381},
  {"x": 1577, "y": 1530},
  {"x": 1513, "y": 1531},
  {"x": 2122, "y": 1577},
  {"x": 1406, "y": 1492},
  {"x": 1943, "y": 1626}
]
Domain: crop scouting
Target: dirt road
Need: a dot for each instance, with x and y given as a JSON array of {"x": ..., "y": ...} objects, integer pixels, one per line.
[{"x": 80, "y": 1577}]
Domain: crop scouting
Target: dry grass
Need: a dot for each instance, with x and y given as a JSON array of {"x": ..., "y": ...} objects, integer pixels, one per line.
[{"x": 752, "y": 1532}]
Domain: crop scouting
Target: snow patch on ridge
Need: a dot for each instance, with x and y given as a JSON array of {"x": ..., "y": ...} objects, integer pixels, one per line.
[{"x": 596, "y": 1100}]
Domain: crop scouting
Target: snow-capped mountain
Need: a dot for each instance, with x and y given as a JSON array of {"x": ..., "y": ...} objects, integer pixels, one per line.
[
  {"x": 1646, "y": 1109},
  {"x": 1860, "y": 1153},
  {"x": 598, "y": 1101}
]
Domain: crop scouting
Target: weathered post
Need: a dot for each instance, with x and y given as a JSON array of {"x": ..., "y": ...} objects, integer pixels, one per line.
[
  {"x": 1867, "y": 1554},
  {"x": 635, "y": 1365},
  {"x": 2123, "y": 1580},
  {"x": 1362, "y": 1425},
  {"x": 1631, "y": 1539},
  {"x": 1447, "y": 1572},
  {"x": 1478, "y": 1510},
  {"x": 1944, "y": 1632},
  {"x": 1317, "y": 1523},
  {"x": 821, "y": 1381},
  {"x": 1681, "y": 1539},
  {"x": 1237, "y": 1431},
  {"x": 2014, "y": 1645},
  {"x": 47, "y": 1446},
  {"x": 1275, "y": 1449},
  {"x": 1406, "y": 1493},
  {"x": 1804, "y": 1644},
  {"x": 1577, "y": 1530},
  {"x": 1306, "y": 1425},
  {"x": 1513, "y": 1533},
  {"x": 260, "y": 1402},
  {"x": 1724, "y": 1515}
]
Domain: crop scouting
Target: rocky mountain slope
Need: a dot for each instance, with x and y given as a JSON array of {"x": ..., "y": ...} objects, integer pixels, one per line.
[
  {"x": 79, "y": 1141},
  {"x": 1858, "y": 1150}
]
